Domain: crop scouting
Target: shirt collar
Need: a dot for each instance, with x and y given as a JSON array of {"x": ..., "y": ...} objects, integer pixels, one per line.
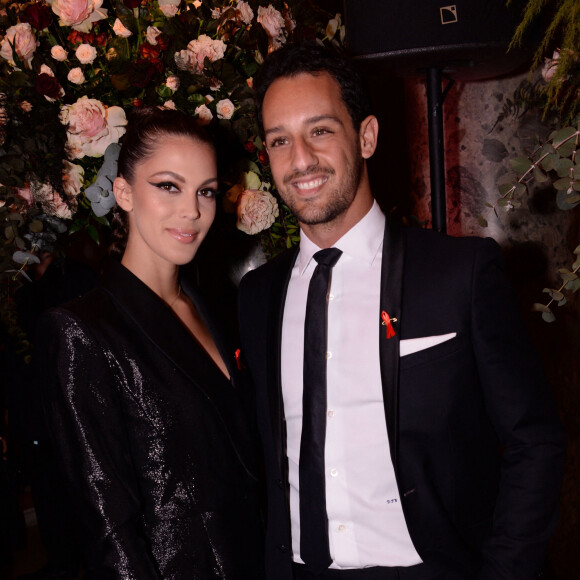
[{"x": 362, "y": 242}]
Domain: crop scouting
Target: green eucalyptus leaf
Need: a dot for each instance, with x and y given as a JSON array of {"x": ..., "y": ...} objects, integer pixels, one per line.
[
  {"x": 554, "y": 294},
  {"x": 25, "y": 258},
  {"x": 521, "y": 164},
  {"x": 573, "y": 285},
  {"x": 36, "y": 226},
  {"x": 539, "y": 175},
  {"x": 566, "y": 275},
  {"x": 564, "y": 200},
  {"x": 562, "y": 184},
  {"x": 482, "y": 221},
  {"x": 548, "y": 162},
  {"x": 506, "y": 189},
  {"x": 563, "y": 166},
  {"x": 562, "y": 302},
  {"x": 537, "y": 307},
  {"x": 567, "y": 149},
  {"x": 520, "y": 189},
  {"x": 563, "y": 135},
  {"x": 577, "y": 250},
  {"x": 548, "y": 316}
]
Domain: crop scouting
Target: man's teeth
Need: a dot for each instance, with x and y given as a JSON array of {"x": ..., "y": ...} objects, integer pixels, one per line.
[{"x": 311, "y": 184}]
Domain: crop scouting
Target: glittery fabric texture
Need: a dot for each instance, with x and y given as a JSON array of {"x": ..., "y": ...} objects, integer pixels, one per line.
[{"x": 157, "y": 453}]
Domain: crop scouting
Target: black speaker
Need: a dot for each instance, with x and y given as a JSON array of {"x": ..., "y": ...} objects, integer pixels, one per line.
[{"x": 467, "y": 38}]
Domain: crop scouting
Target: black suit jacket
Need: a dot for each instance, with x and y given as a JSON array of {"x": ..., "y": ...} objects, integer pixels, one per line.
[
  {"x": 157, "y": 452},
  {"x": 474, "y": 437}
]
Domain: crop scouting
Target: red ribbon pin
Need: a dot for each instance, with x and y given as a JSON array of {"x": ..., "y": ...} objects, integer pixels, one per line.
[
  {"x": 239, "y": 362},
  {"x": 388, "y": 321}
]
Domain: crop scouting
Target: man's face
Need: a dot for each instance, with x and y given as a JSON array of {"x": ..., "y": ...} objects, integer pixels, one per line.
[{"x": 315, "y": 152}]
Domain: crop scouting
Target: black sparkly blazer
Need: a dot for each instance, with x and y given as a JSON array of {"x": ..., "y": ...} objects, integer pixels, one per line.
[{"x": 153, "y": 439}]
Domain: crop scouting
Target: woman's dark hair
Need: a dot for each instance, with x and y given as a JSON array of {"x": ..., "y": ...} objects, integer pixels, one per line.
[
  {"x": 146, "y": 126},
  {"x": 294, "y": 59}
]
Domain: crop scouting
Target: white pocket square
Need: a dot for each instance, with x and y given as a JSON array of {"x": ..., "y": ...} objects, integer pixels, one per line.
[{"x": 411, "y": 345}]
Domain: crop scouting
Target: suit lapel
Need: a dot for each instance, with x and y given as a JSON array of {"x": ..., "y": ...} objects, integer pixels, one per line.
[
  {"x": 391, "y": 297},
  {"x": 280, "y": 280},
  {"x": 156, "y": 320}
]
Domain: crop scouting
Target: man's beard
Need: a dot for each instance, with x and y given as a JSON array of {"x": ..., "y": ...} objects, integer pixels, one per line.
[{"x": 337, "y": 201}]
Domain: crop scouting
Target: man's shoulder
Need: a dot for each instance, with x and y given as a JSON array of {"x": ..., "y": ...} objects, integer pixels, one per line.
[{"x": 273, "y": 268}]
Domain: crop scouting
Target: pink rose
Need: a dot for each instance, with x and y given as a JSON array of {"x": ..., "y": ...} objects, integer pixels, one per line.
[
  {"x": 76, "y": 76},
  {"x": 121, "y": 30},
  {"x": 80, "y": 14},
  {"x": 25, "y": 195},
  {"x": 72, "y": 178},
  {"x": 152, "y": 33},
  {"x": 172, "y": 82},
  {"x": 86, "y": 53},
  {"x": 91, "y": 127},
  {"x": 224, "y": 109},
  {"x": 257, "y": 210},
  {"x": 246, "y": 12},
  {"x": 273, "y": 23},
  {"x": 59, "y": 53},
  {"x": 24, "y": 41},
  {"x": 197, "y": 51},
  {"x": 169, "y": 7}
]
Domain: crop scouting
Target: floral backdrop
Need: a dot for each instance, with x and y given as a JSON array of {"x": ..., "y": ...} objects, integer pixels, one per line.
[{"x": 71, "y": 71}]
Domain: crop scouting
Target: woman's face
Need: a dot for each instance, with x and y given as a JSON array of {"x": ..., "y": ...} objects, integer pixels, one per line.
[{"x": 170, "y": 202}]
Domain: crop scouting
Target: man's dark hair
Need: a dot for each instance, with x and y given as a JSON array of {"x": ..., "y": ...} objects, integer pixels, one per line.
[{"x": 294, "y": 59}]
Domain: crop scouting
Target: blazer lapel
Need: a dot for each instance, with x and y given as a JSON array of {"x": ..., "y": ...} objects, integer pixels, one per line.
[
  {"x": 391, "y": 296},
  {"x": 156, "y": 320},
  {"x": 280, "y": 280}
]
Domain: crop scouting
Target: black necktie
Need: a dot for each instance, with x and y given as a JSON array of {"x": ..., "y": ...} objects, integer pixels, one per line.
[{"x": 314, "y": 549}]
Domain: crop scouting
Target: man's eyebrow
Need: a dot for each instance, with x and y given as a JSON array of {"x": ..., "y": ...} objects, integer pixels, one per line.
[{"x": 309, "y": 121}]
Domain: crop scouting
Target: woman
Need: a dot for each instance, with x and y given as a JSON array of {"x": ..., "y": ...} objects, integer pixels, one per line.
[{"x": 140, "y": 400}]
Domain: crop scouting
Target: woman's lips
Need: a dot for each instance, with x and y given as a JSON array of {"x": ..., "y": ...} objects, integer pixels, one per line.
[{"x": 183, "y": 236}]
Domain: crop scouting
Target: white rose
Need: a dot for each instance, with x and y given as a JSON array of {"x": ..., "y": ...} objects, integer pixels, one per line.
[
  {"x": 91, "y": 127},
  {"x": 257, "y": 210},
  {"x": 204, "y": 115},
  {"x": 152, "y": 33},
  {"x": 224, "y": 109},
  {"x": 169, "y": 7},
  {"x": 246, "y": 12},
  {"x": 172, "y": 82},
  {"x": 58, "y": 53},
  {"x": 80, "y": 14},
  {"x": 72, "y": 178},
  {"x": 23, "y": 40},
  {"x": 121, "y": 30},
  {"x": 76, "y": 76},
  {"x": 86, "y": 53},
  {"x": 271, "y": 20}
]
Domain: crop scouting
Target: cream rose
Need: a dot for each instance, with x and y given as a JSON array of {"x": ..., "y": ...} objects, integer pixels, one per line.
[
  {"x": 151, "y": 35},
  {"x": 45, "y": 69},
  {"x": 172, "y": 82},
  {"x": 257, "y": 210},
  {"x": 80, "y": 14},
  {"x": 121, "y": 30},
  {"x": 169, "y": 105},
  {"x": 26, "y": 106},
  {"x": 204, "y": 115},
  {"x": 169, "y": 7},
  {"x": 58, "y": 53},
  {"x": 23, "y": 40},
  {"x": 86, "y": 53},
  {"x": 72, "y": 178},
  {"x": 76, "y": 76},
  {"x": 224, "y": 109},
  {"x": 91, "y": 127}
]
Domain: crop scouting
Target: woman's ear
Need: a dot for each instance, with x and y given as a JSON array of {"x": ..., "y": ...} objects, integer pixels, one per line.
[
  {"x": 368, "y": 133},
  {"x": 123, "y": 193}
]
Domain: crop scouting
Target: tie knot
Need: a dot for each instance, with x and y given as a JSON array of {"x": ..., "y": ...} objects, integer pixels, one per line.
[{"x": 328, "y": 257}]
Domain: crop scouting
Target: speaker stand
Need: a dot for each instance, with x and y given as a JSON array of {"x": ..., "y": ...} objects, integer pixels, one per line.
[{"x": 435, "y": 98}]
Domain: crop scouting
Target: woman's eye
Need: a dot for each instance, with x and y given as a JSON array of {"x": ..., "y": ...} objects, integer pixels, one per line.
[
  {"x": 166, "y": 186},
  {"x": 208, "y": 192}
]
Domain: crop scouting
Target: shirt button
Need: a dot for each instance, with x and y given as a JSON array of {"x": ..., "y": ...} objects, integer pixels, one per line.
[
  {"x": 328, "y": 354},
  {"x": 330, "y": 414},
  {"x": 331, "y": 296},
  {"x": 334, "y": 472},
  {"x": 342, "y": 528}
]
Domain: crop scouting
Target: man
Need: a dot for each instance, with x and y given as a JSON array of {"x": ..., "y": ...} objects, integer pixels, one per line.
[{"x": 441, "y": 450}]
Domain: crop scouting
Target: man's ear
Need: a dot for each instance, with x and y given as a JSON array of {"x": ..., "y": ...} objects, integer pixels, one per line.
[
  {"x": 368, "y": 134},
  {"x": 123, "y": 193}
]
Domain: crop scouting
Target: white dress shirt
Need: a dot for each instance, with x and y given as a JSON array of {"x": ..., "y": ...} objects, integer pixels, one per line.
[{"x": 365, "y": 517}]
